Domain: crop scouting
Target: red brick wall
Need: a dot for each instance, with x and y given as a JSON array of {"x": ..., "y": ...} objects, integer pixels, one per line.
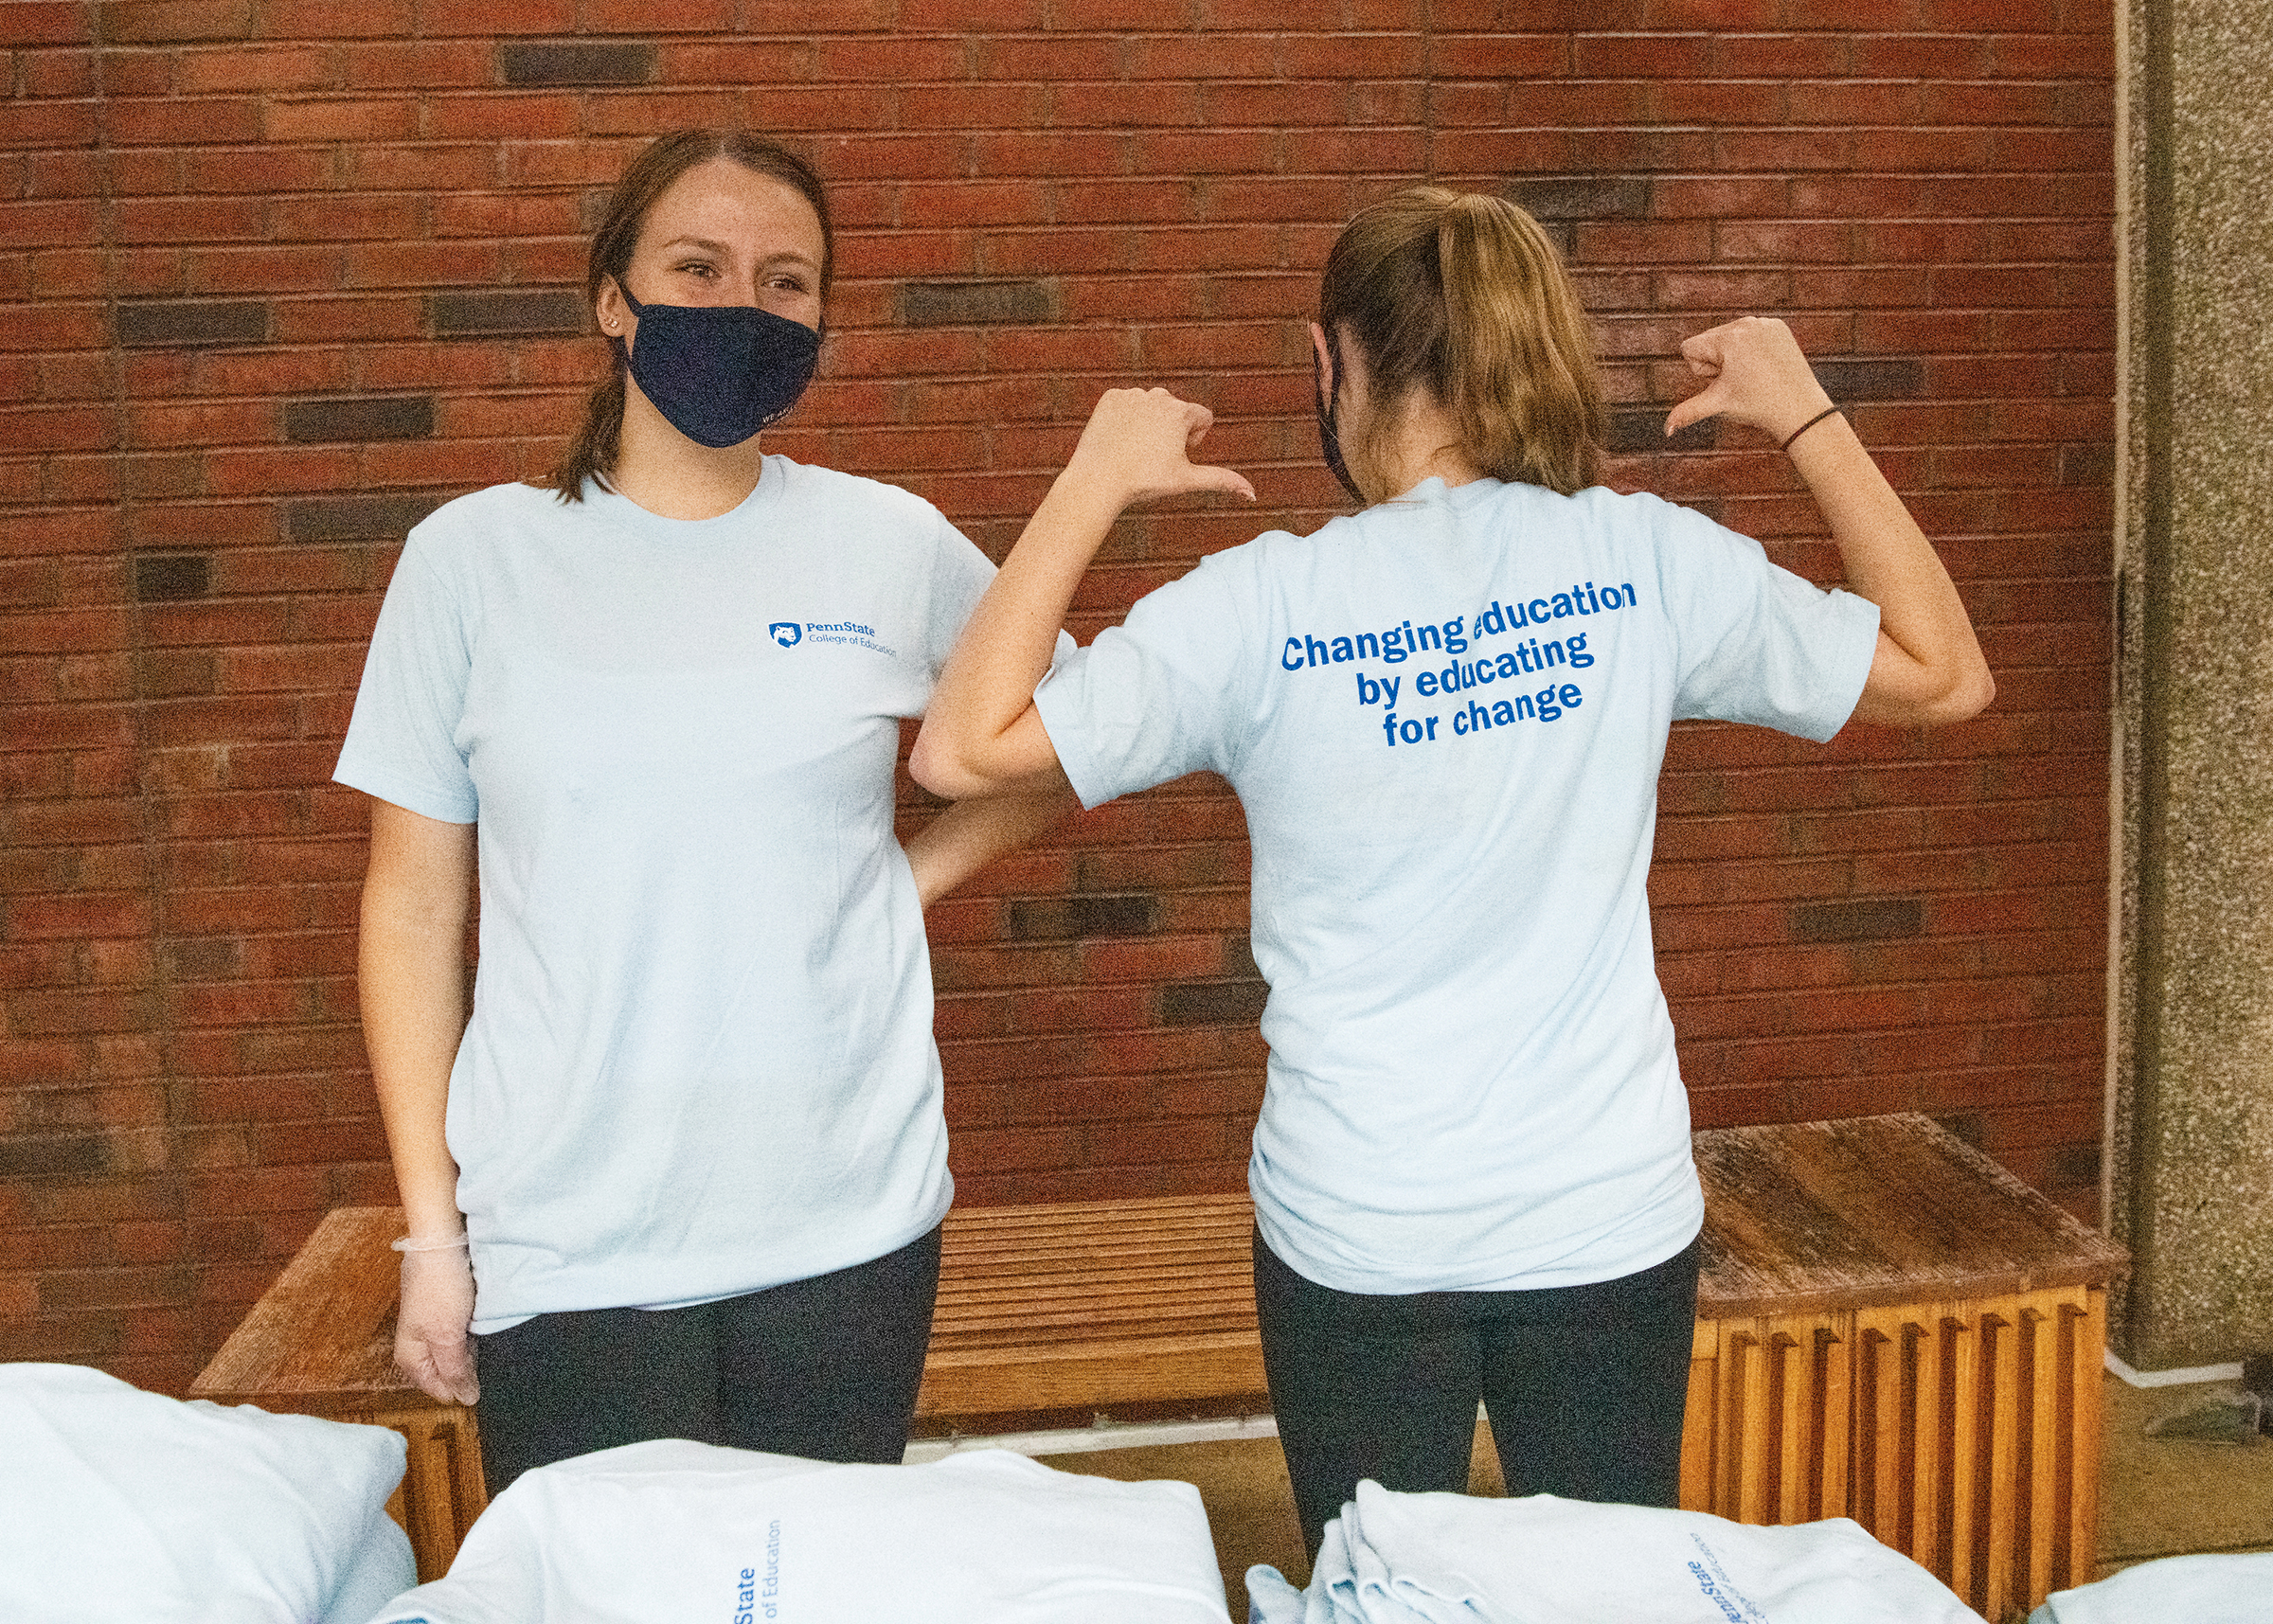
[{"x": 245, "y": 247}]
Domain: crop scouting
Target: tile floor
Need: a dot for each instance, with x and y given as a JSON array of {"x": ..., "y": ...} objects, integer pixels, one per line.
[{"x": 2159, "y": 1497}]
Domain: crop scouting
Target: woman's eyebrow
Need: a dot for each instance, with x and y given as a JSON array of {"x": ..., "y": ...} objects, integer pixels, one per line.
[{"x": 724, "y": 251}]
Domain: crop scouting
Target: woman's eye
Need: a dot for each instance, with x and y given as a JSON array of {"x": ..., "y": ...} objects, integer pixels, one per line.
[{"x": 699, "y": 268}]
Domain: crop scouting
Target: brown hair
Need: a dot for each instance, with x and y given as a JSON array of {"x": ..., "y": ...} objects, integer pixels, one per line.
[
  {"x": 592, "y": 453},
  {"x": 1464, "y": 295}
]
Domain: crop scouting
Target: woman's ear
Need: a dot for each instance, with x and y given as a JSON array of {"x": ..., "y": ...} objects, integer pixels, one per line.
[
  {"x": 1325, "y": 354},
  {"x": 616, "y": 320}
]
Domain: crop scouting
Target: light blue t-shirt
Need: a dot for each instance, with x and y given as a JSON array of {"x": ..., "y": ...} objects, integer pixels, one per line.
[
  {"x": 1444, "y": 718},
  {"x": 700, "y": 1060}
]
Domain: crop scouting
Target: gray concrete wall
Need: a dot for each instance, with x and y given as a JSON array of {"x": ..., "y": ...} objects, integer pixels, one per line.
[{"x": 2190, "y": 1144}]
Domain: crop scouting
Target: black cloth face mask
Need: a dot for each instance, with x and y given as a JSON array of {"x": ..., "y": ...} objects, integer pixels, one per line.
[
  {"x": 719, "y": 374},
  {"x": 1327, "y": 412}
]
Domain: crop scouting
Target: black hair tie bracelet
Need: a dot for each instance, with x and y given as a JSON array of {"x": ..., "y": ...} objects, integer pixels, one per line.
[{"x": 1826, "y": 412}]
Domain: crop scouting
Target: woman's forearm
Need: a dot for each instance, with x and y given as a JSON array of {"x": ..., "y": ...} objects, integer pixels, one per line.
[
  {"x": 982, "y": 733},
  {"x": 1934, "y": 670},
  {"x": 970, "y": 835},
  {"x": 411, "y": 964},
  {"x": 1928, "y": 665}
]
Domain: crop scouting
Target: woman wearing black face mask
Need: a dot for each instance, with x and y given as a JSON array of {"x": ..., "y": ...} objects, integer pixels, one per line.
[
  {"x": 1443, "y": 715},
  {"x": 693, "y": 1124}
]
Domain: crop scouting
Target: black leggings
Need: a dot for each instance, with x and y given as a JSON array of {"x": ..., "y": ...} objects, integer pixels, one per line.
[
  {"x": 826, "y": 1368},
  {"x": 1585, "y": 1385}
]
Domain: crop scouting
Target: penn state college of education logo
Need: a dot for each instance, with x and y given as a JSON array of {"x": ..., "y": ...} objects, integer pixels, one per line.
[{"x": 849, "y": 633}]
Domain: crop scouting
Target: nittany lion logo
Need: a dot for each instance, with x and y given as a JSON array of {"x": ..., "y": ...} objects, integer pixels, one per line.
[{"x": 787, "y": 633}]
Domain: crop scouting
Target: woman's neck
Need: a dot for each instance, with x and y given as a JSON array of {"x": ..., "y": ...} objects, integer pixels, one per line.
[
  {"x": 673, "y": 477},
  {"x": 1424, "y": 443}
]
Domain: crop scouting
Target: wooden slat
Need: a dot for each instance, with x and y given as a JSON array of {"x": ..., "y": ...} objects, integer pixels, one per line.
[
  {"x": 1082, "y": 1375},
  {"x": 1755, "y": 1418},
  {"x": 1794, "y": 1361},
  {"x": 1962, "y": 1323},
  {"x": 2087, "y": 1345},
  {"x": 1878, "y": 1412},
  {"x": 2047, "y": 1448},
  {"x": 2000, "y": 1327},
  {"x": 1698, "y": 1430},
  {"x": 1835, "y": 1418},
  {"x": 1929, "y": 1401}
]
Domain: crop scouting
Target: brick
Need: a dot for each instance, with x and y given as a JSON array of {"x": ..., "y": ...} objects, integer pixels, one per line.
[
  {"x": 1582, "y": 197},
  {"x": 171, "y": 576},
  {"x": 1205, "y": 1002},
  {"x": 338, "y": 118},
  {"x": 80, "y": 1155},
  {"x": 299, "y": 67},
  {"x": 49, "y": 22},
  {"x": 1863, "y": 379},
  {"x": 151, "y": 21},
  {"x": 958, "y": 304},
  {"x": 360, "y": 418},
  {"x": 1644, "y": 431},
  {"x": 575, "y": 62},
  {"x": 495, "y": 310},
  {"x": 1083, "y": 916},
  {"x": 172, "y": 322},
  {"x": 1877, "y": 919},
  {"x": 352, "y": 518},
  {"x": 323, "y": 19},
  {"x": 492, "y": 17}
]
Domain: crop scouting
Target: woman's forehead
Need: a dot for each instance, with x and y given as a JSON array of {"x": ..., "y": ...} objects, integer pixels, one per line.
[{"x": 722, "y": 204}]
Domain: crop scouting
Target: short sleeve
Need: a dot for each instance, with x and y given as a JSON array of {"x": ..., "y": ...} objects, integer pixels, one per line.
[
  {"x": 401, "y": 743},
  {"x": 959, "y": 577},
  {"x": 1156, "y": 697},
  {"x": 1754, "y": 642}
]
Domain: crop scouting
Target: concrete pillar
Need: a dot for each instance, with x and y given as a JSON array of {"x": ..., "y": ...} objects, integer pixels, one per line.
[{"x": 2189, "y": 1162}]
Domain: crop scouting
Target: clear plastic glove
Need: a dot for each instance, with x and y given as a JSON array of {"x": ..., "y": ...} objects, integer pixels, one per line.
[{"x": 436, "y": 1306}]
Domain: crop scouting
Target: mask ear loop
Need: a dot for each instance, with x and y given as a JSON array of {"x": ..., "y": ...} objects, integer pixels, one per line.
[{"x": 1330, "y": 438}]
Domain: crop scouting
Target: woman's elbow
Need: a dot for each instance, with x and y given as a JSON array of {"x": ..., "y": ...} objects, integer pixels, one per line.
[
  {"x": 941, "y": 770},
  {"x": 1974, "y": 695},
  {"x": 1960, "y": 698}
]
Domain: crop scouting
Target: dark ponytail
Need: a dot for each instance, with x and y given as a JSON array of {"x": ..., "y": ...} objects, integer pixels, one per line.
[{"x": 591, "y": 454}]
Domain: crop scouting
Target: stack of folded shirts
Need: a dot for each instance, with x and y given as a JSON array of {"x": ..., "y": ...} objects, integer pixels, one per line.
[
  {"x": 117, "y": 1504},
  {"x": 1436, "y": 1559},
  {"x": 2176, "y": 1590},
  {"x": 673, "y": 1531}
]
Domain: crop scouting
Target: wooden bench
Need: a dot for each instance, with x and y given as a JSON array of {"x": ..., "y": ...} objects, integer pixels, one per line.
[{"x": 1890, "y": 1328}]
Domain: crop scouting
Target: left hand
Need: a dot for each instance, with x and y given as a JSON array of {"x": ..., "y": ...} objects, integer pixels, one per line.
[
  {"x": 1138, "y": 446},
  {"x": 1758, "y": 377}
]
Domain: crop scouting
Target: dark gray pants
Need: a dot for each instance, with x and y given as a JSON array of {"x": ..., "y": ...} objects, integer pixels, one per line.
[
  {"x": 1585, "y": 1385},
  {"x": 825, "y": 1369}
]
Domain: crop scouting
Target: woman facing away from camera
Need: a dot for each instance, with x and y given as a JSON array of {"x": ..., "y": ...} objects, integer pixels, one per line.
[
  {"x": 693, "y": 1125},
  {"x": 1444, "y": 718}
]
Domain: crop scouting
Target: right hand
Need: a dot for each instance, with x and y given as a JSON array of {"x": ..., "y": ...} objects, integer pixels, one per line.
[
  {"x": 436, "y": 1307},
  {"x": 1138, "y": 444}
]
